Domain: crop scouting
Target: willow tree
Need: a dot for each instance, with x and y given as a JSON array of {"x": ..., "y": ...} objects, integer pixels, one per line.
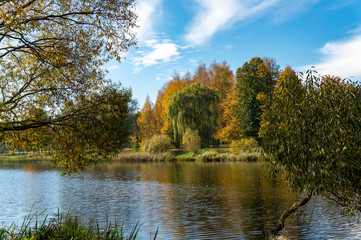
[
  {"x": 52, "y": 52},
  {"x": 311, "y": 131},
  {"x": 195, "y": 107}
]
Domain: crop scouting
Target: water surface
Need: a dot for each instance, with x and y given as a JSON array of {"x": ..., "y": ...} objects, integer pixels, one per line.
[{"x": 185, "y": 200}]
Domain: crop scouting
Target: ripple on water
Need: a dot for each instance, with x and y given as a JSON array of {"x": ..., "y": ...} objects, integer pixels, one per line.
[{"x": 186, "y": 201}]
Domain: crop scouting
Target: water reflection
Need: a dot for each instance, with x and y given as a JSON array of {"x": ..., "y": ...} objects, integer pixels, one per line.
[{"x": 186, "y": 200}]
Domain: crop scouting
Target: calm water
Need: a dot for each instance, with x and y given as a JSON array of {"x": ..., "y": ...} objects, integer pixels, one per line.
[{"x": 185, "y": 200}]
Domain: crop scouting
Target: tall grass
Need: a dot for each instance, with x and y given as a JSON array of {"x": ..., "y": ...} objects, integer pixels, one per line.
[
  {"x": 66, "y": 227},
  {"x": 143, "y": 157},
  {"x": 205, "y": 155}
]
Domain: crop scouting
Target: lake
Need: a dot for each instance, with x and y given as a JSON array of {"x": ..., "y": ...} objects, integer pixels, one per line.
[{"x": 185, "y": 200}]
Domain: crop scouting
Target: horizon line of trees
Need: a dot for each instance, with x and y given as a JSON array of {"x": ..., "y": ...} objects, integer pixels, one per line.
[{"x": 220, "y": 106}]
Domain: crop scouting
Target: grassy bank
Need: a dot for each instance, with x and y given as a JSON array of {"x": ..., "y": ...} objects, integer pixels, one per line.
[
  {"x": 24, "y": 157},
  {"x": 204, "y": 155},
  {"x": 66, "y": 227}
]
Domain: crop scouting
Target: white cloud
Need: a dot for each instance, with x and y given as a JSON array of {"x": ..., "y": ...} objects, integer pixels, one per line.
[
  {"x": 160, "y": 52},
  {"x": 215, "y": 15},
  {"x": 341, "y": 58},
  {"x": 148, "y": 11},
  {"x": 356, "y": 30}
]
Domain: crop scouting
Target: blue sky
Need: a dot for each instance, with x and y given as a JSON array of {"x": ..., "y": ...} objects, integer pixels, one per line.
[{"x": 177, "y": 35}]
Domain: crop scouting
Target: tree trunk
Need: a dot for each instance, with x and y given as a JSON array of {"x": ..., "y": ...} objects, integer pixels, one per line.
[{"x": 288, "y": 212}]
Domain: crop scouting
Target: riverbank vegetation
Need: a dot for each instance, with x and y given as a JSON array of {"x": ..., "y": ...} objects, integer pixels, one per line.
[
  {"x": 203, "y": 155},
  {"x": 29, "y": 157},
  {"x": 66, "y": 227},
  {"x": 311, "y": 131},
  {"x": 54, "y": 96}
]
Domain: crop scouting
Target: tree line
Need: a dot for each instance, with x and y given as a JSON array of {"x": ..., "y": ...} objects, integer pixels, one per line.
[{"x": 214, "y": 102}]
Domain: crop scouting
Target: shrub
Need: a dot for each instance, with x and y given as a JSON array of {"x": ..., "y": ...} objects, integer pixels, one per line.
[
  {"x": 191, "y": 141},
  {"x": 159, "y": 143},
  {"x": 238, "y": 146}
]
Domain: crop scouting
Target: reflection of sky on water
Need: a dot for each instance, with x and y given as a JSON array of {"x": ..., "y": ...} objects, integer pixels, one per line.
[{"x": 187, "y": 200}]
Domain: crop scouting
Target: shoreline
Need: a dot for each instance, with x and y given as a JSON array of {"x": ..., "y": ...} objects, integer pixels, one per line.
[{"x": 175, "y": 156}]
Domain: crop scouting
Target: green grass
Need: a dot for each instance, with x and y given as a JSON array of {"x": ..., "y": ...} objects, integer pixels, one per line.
[
  {"x": 66, "y": 227},
  {"x": 29, "y": 157}
]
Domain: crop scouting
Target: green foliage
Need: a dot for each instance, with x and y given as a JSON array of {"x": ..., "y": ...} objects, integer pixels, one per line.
[
  {"x": 159, "y": 143},
  {"x": 312, "y": 131},
  {"x": 238, "y": 146},
  {"x": 97, "y": 129},
  {"x": 135, "y": 146},
  {"x": 195, "y": 107},
  {"x": 191, "y": 141},
  {"x": 258, "y": 76}
]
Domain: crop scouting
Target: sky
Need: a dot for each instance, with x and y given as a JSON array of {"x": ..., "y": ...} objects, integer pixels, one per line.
[{"x": 175, "y": 36}]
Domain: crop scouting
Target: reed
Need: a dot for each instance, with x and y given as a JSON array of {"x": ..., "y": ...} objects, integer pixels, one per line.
[
  {"x": 143, "y": 157},
  {"x": 205, "y": 155},
  {"x": 66, "y": 227}
]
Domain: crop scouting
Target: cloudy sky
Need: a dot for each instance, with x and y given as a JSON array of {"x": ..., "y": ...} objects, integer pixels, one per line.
[{"x": 177, "y": 35}]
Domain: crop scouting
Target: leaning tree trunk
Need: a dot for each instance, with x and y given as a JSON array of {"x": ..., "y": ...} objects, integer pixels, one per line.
[{"x": 288, "y": 212}]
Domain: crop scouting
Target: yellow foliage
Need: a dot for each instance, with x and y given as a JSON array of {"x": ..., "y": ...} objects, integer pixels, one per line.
[
  {"x": 146, "y": 121},
  {"x": 228, "y": 127}
]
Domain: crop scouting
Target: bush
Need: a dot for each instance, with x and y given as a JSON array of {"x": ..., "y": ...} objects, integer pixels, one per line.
[
  {"x": 159, "y": 143},
  {"x": 238, "y": 146},
  {"x": 191, "y": 141}
]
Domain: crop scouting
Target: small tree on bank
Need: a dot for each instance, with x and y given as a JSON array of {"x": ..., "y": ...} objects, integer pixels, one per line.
[
  {"x": 312, "y": 132},
  {"x": 159, "y": 143},
  {"x": 191, "y": 141}
]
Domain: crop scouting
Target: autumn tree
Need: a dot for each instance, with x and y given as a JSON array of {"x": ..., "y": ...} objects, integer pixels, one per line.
[
  {"x": 310, "y": 131},
  {"x": 258, "y": 76},
  {"x": 222, "y": 79},
  {"x": 201, "y": 75},
  {"x": 93, "y": 127},
  {"x": 195, "y": 107},
  {"x": 51, "y": 52},
  {"x": 176, "y": 84},
  {"x": 216, "y": 75},
  {"x": 228, "y": 126},
  {"x": 146, "y": 121}
]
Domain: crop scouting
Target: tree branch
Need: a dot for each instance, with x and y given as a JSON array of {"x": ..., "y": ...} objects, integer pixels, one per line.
[{"x": 288, "y": 212}]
